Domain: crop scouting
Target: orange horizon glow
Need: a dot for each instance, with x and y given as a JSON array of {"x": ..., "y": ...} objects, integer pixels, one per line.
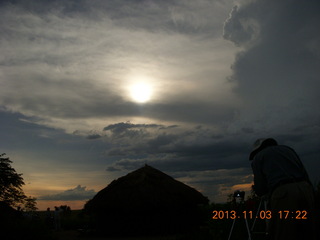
[
  {"x": 243, "y": 187},
  {"x": 42, "y": 205}
]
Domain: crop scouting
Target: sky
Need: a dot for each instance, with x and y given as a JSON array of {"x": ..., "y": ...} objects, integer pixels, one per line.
[{"x": 91, "y": 90}]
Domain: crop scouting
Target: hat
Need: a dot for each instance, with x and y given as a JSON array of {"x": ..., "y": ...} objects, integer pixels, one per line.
[{"x": 260, "y": 144}]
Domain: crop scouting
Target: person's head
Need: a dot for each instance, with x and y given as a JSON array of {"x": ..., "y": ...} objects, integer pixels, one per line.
[{"x": 260, "y": 144}]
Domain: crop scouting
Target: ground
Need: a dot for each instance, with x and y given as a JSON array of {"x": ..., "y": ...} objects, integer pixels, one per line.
[{"x": 75, "y": 235}]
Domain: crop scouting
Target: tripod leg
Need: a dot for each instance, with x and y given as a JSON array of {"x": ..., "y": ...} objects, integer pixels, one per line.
[
  {"x": 254, "y": 221},
  {"x": 249, "y": 233},
  {"x": 234, "y": 220}
]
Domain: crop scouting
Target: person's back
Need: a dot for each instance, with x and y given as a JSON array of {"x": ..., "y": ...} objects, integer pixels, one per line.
[
  {"x": 279, "y": 174},
  {"x": 276, "y": 165}
]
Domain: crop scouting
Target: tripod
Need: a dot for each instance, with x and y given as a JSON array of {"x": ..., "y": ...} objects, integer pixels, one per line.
[
  {"x": 263, "y": 202},
  {"x": 246, "y": 222}
]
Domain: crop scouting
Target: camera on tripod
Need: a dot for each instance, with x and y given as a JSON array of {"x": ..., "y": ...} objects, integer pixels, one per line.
[
  {"x": 238, "y": 196},
  {"x": 238, "y": 201}
]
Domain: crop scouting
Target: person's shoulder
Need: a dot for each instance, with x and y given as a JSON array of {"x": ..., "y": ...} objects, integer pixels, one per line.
[
  {"x": 270, "y": 150},
  {"x": 279, "y": 149},
  {"x": 284, "y": 147}
]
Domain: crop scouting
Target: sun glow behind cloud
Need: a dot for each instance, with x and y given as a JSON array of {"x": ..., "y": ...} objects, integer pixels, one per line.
[{"x": 141, "y": 92}]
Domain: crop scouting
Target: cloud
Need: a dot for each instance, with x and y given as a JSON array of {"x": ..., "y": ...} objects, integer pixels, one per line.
[
  {"x": 77, "y": 193},
  {"x": 70, "y": 64},
  {"x": 188, "y": 149},
  {"x": 276, "y": 71},
  {"x": 241, "y": 29},
  {"x": 216, "y": 184},
  {"x": 118, "y": 128},
  {"x": 178, "y": 148},
  {"x": 94, "y": 136},
  {"x": 112, "y": 169}
]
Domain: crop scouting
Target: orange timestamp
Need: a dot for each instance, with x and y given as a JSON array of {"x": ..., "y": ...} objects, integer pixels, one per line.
[{"x": 268, "y": 214}]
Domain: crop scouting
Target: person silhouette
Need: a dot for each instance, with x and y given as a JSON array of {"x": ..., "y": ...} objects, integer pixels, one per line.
[
  {"x": 49, "y": 218},
  {"x": 280, "y": 177},
  {"x": 57, "y": 218}
]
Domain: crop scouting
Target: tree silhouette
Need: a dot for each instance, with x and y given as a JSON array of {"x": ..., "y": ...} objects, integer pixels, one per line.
[
  {"x": 10, "y": 183},
  {"x": 30, "y": 204}
]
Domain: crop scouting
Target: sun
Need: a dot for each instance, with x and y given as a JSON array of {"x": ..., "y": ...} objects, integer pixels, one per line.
[{"x": 141, "y": 92}]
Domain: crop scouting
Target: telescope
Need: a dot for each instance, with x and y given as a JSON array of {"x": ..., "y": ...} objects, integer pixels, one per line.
[{"x": 239, "y": 195}]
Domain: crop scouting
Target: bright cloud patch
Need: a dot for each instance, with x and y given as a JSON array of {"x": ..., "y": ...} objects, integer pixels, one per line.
[{"x": 77, "y": 193}]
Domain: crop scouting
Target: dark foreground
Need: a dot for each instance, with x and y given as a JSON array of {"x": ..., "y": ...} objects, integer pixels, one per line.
[
  {"x": 75, "y": 235},
  {"x": 76, "y": 226}
]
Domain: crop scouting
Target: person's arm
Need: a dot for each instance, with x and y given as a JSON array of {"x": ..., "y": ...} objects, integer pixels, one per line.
[
  {"x": 300, "y": 164},
  {"x": 260, "y": 183}
]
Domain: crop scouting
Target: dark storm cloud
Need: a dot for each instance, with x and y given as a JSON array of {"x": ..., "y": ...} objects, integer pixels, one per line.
[
  {"x": 126, "y": 132},
  {"x": 177, "y": 149},
  {"x": 77, "y": 193},
  {"x": 278, "y": 68},
  {"x": 216, "y": 184},
  {"x": 277, "y": 72},
  {"x": 122, "y": 127},
  {"x": 112, "y": 169},
  {"x": 94, "y": 136}
]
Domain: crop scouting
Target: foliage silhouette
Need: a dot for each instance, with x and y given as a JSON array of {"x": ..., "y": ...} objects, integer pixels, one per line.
[
  {"x": 30, "y": 204},
  {"x": 10, "y": 183}
]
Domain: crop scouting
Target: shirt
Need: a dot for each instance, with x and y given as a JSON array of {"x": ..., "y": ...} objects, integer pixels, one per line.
[{"x": 276, "y": 164}]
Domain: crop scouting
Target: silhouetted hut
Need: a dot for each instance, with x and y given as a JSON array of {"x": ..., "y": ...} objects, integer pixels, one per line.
[{"x": 146, "y": 201}]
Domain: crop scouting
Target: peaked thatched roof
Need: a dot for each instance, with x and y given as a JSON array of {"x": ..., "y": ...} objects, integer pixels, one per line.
[
  {"x": 146, "y": 187},
  {"x": 146, "y": 199}
]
